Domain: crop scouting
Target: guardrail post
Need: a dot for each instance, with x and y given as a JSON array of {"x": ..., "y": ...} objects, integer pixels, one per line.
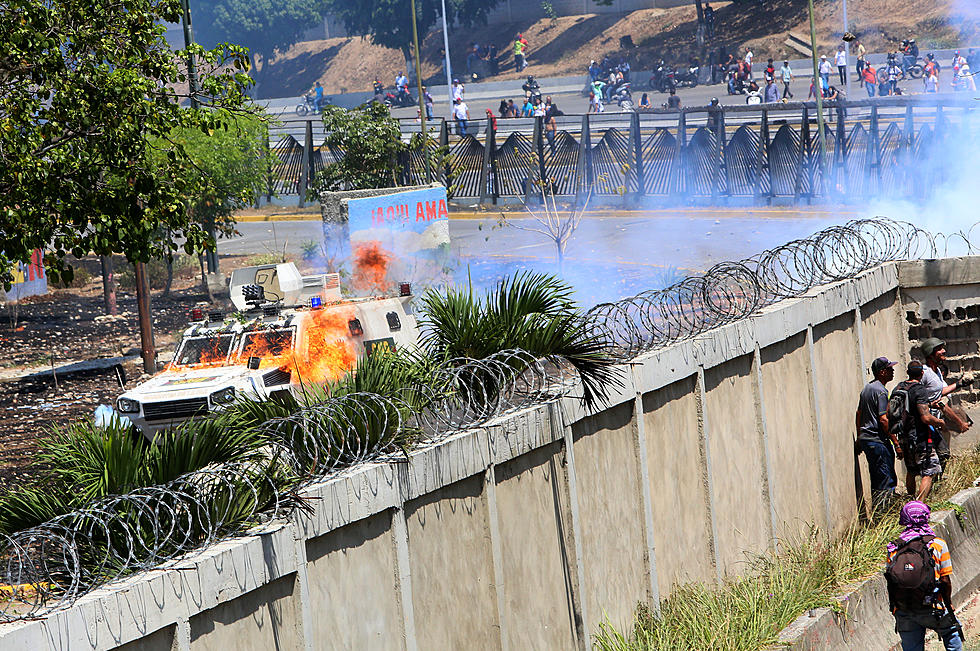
[
  {"x": 444, "y": 146},
  {"x": 907, "y": 136},
  {"x": 486, "y": 172},
  {"x": 529, "y": 189},
  {"x": 636, "y": 139},
  {"x": 719, "y": 173},
  {"x": 875, "y": 150},
  {"x": 539, "y": 152},
  {"x": 840, "y": 153},
  {"x": 803, "y": 166},
  {"x": 585, "y": 155},
  {"x": 306, "y": 168},
  {"x": 268, "y": 167},
  {"x": 761, "y": 165},
  {"x": 679, "y": 167}
]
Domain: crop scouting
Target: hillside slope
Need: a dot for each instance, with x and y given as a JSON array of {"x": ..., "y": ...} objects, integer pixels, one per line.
[{"x": 564, "y": 45}]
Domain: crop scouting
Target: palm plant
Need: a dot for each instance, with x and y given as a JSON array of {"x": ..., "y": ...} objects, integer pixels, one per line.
[{"x": 528, "y": 311}]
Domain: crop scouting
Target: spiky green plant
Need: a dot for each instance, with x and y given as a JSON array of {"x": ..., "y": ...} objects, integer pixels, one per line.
[{"x": 530, "y": 311}]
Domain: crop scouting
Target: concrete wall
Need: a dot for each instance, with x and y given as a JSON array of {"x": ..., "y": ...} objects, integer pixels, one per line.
[{"x": 531, "y": 531}]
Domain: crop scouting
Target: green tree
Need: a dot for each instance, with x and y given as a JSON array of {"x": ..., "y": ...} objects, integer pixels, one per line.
[
  {"x": 265, "y": 26},
  {"x": 369, "y": 142},
  {"x": 89, "y": 95},
  {"x": 389, "y": 22},
  {"x": 222, "y": 173}
]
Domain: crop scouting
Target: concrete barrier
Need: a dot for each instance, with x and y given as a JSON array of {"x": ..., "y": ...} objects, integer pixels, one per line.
[{"x": 530, "y": 531}]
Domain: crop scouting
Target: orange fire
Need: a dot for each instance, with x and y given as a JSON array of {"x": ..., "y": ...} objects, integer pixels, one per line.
[
  {"x": 273, "y": 348},
  {"x": 370, "y": 266},
  {"x": 328, "y": 352}
]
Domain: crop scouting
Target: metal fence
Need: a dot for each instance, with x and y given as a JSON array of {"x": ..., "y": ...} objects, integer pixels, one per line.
[{"x": 751, "y": 153}]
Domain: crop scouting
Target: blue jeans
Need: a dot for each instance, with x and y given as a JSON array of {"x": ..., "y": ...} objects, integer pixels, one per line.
[
  {"x": 881, "y": 465},
  {"x": 912, "y": 627},
  {"x": 461, "y": 127}
]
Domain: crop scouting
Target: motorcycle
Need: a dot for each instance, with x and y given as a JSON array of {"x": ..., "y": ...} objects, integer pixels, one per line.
[
  {"x": 914, "y": 70},
  {"x": 532, "y": 91},
  {"x": 400, "y": 99},
  {"x": 309, "y": 105},
  {"x": 687, "y": 77},
  {"x": 662, "y": 79},
  {"x": 621, "y": 94}
]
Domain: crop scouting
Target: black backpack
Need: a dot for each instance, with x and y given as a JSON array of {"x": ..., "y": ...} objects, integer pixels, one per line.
[
  {"x": 901, "y": 422},
  {"x": 911, "y": 574}
]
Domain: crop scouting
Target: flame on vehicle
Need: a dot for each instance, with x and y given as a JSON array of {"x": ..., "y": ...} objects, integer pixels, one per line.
[
  {"x": 328, "y": 353},
  {"x": 370, "y": 266}
]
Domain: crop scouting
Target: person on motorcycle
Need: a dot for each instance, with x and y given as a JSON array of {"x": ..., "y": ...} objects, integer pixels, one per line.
[
  {"x": 379, "y": 88},
  {"x": 401, "y": 82},
  {"x": 531, "y": 87},
  {"x": 318, "y": 97}
]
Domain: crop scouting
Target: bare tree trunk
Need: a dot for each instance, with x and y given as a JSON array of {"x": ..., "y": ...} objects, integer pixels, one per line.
[
  {"x": 204, "y": 278},
  {"x": 145, "y": 320},
  {"x": 108, "y": 286}
]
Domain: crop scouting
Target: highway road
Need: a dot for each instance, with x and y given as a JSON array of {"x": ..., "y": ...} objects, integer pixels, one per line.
[{"x": 610, "y": 256}]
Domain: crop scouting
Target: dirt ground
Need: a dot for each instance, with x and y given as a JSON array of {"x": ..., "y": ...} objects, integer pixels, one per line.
[
  {"x": 564, "y": 45},
  {"x": 69, "y": 325}
]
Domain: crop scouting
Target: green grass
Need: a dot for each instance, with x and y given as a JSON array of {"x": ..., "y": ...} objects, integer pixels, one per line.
[{"x": 748, "y": 612}]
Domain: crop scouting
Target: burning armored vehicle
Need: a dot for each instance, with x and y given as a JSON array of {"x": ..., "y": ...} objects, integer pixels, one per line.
[{"x": 289, "y": 330}]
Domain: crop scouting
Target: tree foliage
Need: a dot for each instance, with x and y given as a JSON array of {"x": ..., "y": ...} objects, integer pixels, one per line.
[
  {"x": 369, "y": 140},
  {"x": 389, "y": 22},
  {"x": 224, "y": 170},
  {"x": 89, "y": 97},
  {"x": 265, "y": 26}
]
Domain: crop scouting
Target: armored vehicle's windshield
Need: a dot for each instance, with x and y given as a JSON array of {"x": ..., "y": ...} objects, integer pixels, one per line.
[
  {"x": 213, "y": 349},
  {"x": 267, "y": 343}
]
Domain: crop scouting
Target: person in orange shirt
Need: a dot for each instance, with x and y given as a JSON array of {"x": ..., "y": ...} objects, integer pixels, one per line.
[{"x": 870, "y": 77}]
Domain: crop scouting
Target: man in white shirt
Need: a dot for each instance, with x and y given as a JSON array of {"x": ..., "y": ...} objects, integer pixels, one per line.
[
  {"x": 748, "y": 62},
  {"x": 457, "y": 90},
  {"x": 824, "y": 71},
  {"x": 840, "y": 60},
  {"x": 461, "y": 113},
  {"x": 401, "y": 81}
]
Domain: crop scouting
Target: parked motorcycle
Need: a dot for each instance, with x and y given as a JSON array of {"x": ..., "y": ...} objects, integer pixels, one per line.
[
  {"x": 688, "y": 77},
  {"x": 663, "y": 79}
]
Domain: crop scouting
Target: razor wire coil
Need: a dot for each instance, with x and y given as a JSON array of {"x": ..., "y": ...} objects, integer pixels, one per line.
[{"x": 51, "y": 565}]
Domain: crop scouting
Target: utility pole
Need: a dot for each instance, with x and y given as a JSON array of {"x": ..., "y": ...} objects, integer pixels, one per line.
[
  {"x": 146, "y": 324},
  {"x": 418, "y": 82},
  {"x": 445, "y": 46},
  {"x": 847, "y": 52},
  {"x": 210, "y": 256},
  {"x": 818, "y": 88}
]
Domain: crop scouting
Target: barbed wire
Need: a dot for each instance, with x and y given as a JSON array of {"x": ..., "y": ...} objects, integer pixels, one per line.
[{"x": 51, "y": 565}]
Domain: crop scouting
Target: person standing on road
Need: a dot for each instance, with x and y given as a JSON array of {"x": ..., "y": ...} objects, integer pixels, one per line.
[
  {"x": 870, "y": 78},
  {"x": 787, "y": 76},
  {"x": 873, "y": 436},
  {"x": 595, "y": 103},
  {"x": 461, "y": 113},
  {"x": 840, "y": 60},
  {"x": 748, "y": 63},
  {"x": 427, "y": 98},
  {"x": 772, "y": 93},
  {"x": 861, "y": 52},
  {"x": 929, "y": 605},
  {"x": 824, "y": 71}
]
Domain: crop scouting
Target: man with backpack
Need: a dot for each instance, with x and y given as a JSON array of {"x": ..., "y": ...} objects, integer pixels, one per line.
[
  {"x": 934, "y": 352},
  {"x": 920, "y": 593},
  {"x": 916, "y": 429},
  {"x": 874, "y": 437}
]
